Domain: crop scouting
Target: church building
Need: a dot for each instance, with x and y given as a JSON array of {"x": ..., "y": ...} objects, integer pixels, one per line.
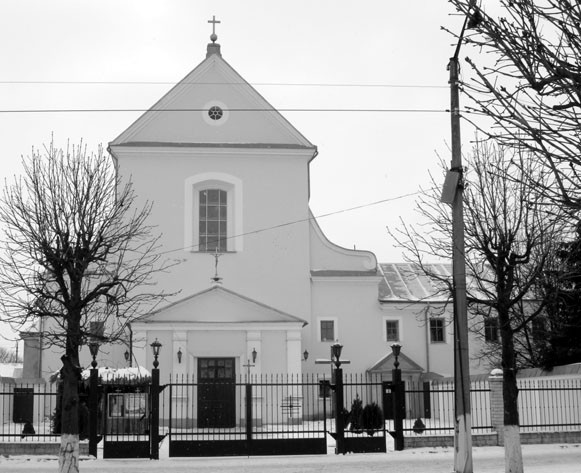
[{"x": 259, "y": 288}]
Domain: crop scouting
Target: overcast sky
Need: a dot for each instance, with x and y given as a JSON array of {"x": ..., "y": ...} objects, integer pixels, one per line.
[{"x": 366, "y": 54}]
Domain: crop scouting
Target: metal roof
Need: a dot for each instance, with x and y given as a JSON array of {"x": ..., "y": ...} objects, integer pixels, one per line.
[{"x": 407, "y": 282}]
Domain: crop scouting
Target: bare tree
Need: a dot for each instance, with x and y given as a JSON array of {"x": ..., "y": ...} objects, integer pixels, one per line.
[
  {"x": 76, "y": 252},
  {"x": 526, "y": 81},
  {"x": 7, "y": 356},
  {"x": 509, "y": 238}
]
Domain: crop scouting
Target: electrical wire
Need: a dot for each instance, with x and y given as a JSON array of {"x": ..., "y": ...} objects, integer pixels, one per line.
[
  {"x": 134, "y": 110},
  {"x": 268, "y": 84},
  {"x": 294, "y": 222}
]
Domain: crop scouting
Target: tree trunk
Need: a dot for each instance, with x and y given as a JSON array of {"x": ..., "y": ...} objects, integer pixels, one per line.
[
  {"x": 512, "y": 447},
  {"x": 69, "y": 449}
]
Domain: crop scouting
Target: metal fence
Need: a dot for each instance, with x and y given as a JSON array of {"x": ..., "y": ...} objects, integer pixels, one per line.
[
  {"x": 549, "y": 404},
  {"x": 430, "y": 408},
  {"x": 285, "y": 407},
  {"x": 27, "y": 412}
]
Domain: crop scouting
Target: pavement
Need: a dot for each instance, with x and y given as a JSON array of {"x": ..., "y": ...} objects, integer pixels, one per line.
[{"x": 563, "y": 458}]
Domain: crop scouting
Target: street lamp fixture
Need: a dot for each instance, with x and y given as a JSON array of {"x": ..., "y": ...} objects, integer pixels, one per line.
[
  {"x": 94, "y": 349},
  {"x": 254, "y": 355},
  {"x": 396, "y": 349},
  {"x": 156, "y": 347}
]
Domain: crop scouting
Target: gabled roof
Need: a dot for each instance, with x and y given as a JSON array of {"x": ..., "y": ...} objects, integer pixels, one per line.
[
  {"x": 217, "y": 305},
  {"x": 180, "y": 117},
  {"x": 385, "y": 364}
]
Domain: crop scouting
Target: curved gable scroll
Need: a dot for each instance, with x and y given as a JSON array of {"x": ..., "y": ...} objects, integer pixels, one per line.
[{"x": 206, "y": 181}]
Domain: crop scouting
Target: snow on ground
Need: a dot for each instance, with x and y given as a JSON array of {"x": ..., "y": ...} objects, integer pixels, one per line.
[{"x": 563, "y": 458}]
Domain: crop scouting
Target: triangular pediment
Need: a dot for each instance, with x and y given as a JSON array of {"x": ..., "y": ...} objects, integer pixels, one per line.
[
  {"x": 406, "y": 364},
  {"x": 181, "y": 117},
  {"x": 218, "y": 305}
]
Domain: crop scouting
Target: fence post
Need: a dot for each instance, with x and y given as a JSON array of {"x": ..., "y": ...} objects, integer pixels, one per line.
[
  {"x": 495, "y": 382},
  {"x": 398, "y": 409},
  {"x": 248, "y": 414},
  {"x": 339, "y": 419},
  {"x": 154, "y": 393},
  {"x": 93, "y": 410}
]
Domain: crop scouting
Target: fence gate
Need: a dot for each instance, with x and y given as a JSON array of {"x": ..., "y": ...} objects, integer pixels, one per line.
[
  {"x": 125, "y": 420},
  {"x": 273, "y": 416}
]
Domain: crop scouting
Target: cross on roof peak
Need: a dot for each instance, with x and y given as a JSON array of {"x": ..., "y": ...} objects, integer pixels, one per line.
[
  {"x": 217, "y": 279},
  {"x": 214, "y": 36}
]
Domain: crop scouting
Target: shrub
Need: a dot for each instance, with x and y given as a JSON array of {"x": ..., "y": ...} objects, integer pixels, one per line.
[
  {"x": 355, "y": 415},
  {"x": 372, "y": 418}
]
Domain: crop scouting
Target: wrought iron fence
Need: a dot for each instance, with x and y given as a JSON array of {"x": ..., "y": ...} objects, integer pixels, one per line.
[
  {"x": 280, "y": 406},
  {"x": 430, "y": 408},
  {"x": 28, "y": 412}
]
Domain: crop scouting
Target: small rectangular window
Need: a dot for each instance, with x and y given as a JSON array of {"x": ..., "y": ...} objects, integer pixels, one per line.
[
  {"x": 491, "y": 329},
  {"x": 392, "y": 330},
  {"x": 437, "y": 330},
  {"x": 328, "y": 331}
]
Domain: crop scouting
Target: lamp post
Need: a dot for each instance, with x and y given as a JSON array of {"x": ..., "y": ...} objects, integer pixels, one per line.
[
  {"x": 154, "y": 431},
  {"x": 398, "y": 399},
  {"x": 336, "y": 350},
  {"x": 93, "y": 398}
]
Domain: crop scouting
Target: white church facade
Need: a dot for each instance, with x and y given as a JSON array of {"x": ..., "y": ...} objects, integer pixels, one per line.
[{"x": 260, "y": 289}]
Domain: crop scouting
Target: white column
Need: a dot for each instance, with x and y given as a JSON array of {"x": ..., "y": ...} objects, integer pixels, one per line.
[
  {"x": 293, "y": 352},
  {"x": 294, "y": 398}
]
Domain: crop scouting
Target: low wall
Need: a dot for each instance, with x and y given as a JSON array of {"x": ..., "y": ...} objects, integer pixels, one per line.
[
  {"x": 36, "y": 448},
  {"x": 491, "y": 440},
  {"x": 418, "y": 441}
]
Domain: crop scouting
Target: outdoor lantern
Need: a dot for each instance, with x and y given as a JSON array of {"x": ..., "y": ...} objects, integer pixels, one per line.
[
  {"x": 156, "y": 347},
  {"x": 94, "y": 349},
  {"x": 254, "y": 355},
  {"x": 336, "y": 353},
  {"x": 396, "y": 349},
  {"x": 179, "y": 353},
  {"x": 305, "y": 355},
  {"x": 126, "y": 354}
]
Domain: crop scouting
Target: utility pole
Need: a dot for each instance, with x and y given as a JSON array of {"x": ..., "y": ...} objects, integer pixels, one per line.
[
  {"x": 463, "y": 421},
  {"x": 452, "y": 194}
]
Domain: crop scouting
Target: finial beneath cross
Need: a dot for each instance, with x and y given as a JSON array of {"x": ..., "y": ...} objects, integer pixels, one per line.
[{"x": 214, "y": 36}]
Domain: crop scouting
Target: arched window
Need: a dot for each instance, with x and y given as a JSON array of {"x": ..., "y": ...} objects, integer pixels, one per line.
[
  {"x": 213, "y": 220},
  {"x": 213, "y": 213}
]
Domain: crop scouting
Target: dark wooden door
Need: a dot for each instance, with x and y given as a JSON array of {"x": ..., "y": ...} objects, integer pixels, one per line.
[
  {"x": 216, "y": 392},
  {"x": 23, "y": 405}
]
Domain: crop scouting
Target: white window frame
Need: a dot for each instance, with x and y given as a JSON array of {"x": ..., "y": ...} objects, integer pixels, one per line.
[
  {"x": 444, "y": 330},
  {"x": 233, "y": 188},
  {"x": 335, "y": 327},
  {"x": 399, "y": 328}
]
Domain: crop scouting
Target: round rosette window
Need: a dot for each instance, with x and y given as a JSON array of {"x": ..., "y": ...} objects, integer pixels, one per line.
[{"x": 215, "y": 113}]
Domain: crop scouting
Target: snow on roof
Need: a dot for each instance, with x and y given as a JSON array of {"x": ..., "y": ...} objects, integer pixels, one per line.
[
  {"x": 118, "y": 374},
  {"x": 406, "y": 282},
  {"x": 10, "y": 370}
]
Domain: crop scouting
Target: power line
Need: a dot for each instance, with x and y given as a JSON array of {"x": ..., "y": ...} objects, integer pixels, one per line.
[
  {"x": 134, "y": 110},
  {"x": 294, "y": 222},
  {"x": 269, "y": 84}
]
